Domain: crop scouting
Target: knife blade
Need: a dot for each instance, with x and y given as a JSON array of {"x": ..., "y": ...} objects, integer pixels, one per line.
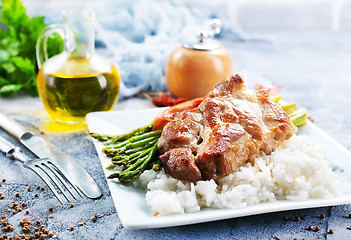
[{"x": 44, "y": 149}]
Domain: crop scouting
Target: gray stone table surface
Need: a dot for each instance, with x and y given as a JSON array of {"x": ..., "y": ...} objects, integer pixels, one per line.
[{"x": 313, "y": 69}]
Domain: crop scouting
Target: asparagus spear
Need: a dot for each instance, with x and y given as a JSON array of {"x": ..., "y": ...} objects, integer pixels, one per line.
[
  {"x": 131, "y": 173},
  {"x": 289, "y": 108},
  {"x": 108, "y": 139},
  {"x": 100, "y": 137},
  {"x": 132, "y": 144},
  {"x": 277, "y": 98},
  {"x": 299, "y": 117},
  {"x": 138, "y": 131},
  {"x": 128, "y": 160}
]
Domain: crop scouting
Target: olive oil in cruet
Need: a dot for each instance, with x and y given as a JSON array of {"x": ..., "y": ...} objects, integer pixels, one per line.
[{"x": 77, "y": 81}]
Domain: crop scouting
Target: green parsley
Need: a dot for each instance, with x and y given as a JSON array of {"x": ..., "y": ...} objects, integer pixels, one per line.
[{"x": 18, "y": 36}]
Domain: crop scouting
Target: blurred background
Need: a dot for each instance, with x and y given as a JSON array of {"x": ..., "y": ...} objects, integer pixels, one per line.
[
  {"x": 249, "y": 14},
  {"x": 301, "y": 45},
  {"x": 138, "y": 35}
]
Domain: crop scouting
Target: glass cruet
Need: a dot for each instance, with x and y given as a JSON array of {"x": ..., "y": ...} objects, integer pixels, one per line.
[{"x": 76, "y": 81}]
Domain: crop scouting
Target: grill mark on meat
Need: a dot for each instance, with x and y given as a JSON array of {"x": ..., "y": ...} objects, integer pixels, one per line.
[{"x": 232, "y": 125}]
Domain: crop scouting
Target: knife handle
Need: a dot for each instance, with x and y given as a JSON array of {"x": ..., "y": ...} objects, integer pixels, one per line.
[
  {"x": 12, "y": 151},
  {"x": 12, "y": 127}
]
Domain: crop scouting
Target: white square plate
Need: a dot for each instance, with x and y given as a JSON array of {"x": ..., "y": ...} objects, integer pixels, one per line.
[{"x": 130, "y": 202}]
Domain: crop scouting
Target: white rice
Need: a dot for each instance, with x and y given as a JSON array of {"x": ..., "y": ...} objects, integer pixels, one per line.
[{"x": 298, "y": 170}]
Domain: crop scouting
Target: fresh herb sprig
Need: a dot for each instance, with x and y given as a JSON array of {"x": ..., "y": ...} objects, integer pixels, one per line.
[{"x": 18, "y": 36}]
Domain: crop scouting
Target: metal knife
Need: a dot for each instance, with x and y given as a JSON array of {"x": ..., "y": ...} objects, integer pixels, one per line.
[{"x": 44, "y": 149}]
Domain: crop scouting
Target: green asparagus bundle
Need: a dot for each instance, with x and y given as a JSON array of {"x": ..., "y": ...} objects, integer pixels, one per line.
[{"x": 131, "y": 153}]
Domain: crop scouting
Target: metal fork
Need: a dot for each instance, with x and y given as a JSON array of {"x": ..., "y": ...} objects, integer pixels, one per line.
[{"x": 44, "y": 168}]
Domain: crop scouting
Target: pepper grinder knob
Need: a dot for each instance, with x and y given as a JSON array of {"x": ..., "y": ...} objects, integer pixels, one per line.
[
  {"x": 215, "y": 27},
  {"x": 202, "y": 35},
  {"x": 205, "y": 37}
]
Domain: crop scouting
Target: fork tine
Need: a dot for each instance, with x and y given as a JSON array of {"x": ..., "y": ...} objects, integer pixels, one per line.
[
  {"x": 47, "y": 182},
  {"x": 54, "y": 171},
  {"x": 53, "y": 180},
  {"x": 66, "y": 176}
]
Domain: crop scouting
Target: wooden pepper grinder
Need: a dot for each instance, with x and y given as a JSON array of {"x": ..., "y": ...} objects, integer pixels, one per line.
[{"x": 194, "y": 68}]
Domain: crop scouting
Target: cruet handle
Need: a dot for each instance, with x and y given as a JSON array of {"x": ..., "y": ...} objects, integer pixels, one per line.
[{"x": 41, "y": 46}]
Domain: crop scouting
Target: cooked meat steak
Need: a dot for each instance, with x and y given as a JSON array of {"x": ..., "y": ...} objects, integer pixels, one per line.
[{"x": 232, "y": 125}]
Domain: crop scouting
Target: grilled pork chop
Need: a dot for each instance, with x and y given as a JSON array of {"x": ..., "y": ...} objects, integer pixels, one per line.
[{"x": 232, "y": 125}]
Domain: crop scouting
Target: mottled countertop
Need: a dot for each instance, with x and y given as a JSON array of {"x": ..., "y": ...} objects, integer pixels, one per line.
[{"x": 313, "y": 69}]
